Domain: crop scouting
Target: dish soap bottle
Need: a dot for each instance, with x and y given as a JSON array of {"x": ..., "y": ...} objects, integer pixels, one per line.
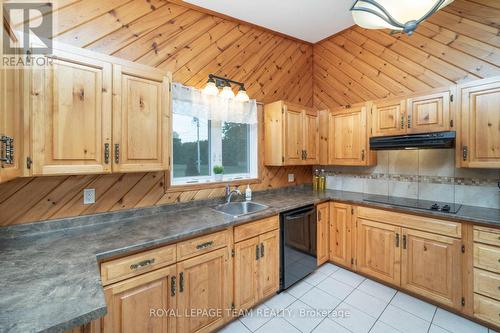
[
  {"x": 316, "y": 180},
  {"x": 248, "y": 193}
]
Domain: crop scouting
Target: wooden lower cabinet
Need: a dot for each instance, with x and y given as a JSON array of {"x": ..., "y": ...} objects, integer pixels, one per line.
[
  {"x": 378, "y": 250},
  {"x": 431, "y": 266},
  {"x": 256, "y": 269},
  {"x": 340, "y": 234},
  {"x": 130, "y": 303},
  {"x": 323, "y": 225},
  {"x": 204, "y": 284}
]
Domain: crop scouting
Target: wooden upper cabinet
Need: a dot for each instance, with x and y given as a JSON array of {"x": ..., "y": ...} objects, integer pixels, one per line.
[
  {"x": 348, "y": 139},
  {"x": 478, "y": 145},
  {"x": 291, "y": 134},
  {"x": 341, "y": 239},
  {"x": 11, "y": 123},
  {"x": 431, "y": 266},
  {"x": 388, "y": 117},
  {"x": 378, "y": 250},
  {"x": 323, "y": 225},
  {"x": 204, "y": 283},
  {"x": 323, "y": 116},
  {"x": 140, "y": 119},
  {"x": 71, "y": 115},
  {"x": 130, "y": 302},
  {"x": 429, "y": 112}
]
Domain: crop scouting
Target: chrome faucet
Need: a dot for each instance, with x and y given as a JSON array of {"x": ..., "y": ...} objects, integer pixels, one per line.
[{"x": 229, "y": 193}]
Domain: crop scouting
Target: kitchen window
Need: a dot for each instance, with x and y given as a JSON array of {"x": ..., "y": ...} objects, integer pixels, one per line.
[{"x": 210, "y": 131}]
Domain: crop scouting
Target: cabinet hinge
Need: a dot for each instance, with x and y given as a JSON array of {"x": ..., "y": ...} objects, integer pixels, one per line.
[
  {"x": 169, "y": 161},
  {"x": 463, "y": 301},
  {"x": 29, "y": 162},
  {"x": 463, "y": 248},
  {"x": 170, "y": 86},
  {"x": 451, "y": 98},
  {"x": 352, "y": 211},
  {"x": 451, "y": 122},
  {"x": 283, "y": 159},
  {"x": 232, "y": 306},
  {"x": 352, "y": 261},
  {"x": 232, "y": 253}
]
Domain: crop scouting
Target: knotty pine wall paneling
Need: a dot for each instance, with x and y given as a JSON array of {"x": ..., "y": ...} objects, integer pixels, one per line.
[
  {"x": 189, "y": 43},
  {"x": 457, "y": 44}
]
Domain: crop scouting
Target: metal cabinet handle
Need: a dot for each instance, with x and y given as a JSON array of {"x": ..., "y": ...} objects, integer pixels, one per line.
[
  {"x": 257, "y": 252},
  {"x": 262, "y": 250},
  {"x": 172, "y": 285},
  {"x": 117, "y": 153},
  {"x": 181, "y": 282},
  {"x": 397, "y": 240},
  {"x": 404, "y": 242},
  {"x": 106, "y": 153},
  {"x": 204, "y": 245},
  {"x": 402, "y": 122},
  {"x": 465, "y": 152},
  {"x": 409, "y": 121},
  {"x": 305, "y": 154},
  {"x": 362, "y": 154},
  {"x": 142, "y": 264}
]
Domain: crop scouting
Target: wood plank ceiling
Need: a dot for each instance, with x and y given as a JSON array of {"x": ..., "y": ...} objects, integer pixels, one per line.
[{"x": 457, "y": 44}]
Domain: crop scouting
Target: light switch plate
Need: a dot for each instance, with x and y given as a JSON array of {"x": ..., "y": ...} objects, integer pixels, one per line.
[
  {"x": 89, "y": 196},
  {"x": 291, "y": 177}
]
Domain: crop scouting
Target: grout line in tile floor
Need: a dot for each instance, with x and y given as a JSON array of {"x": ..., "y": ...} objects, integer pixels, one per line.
[
  {"x": 381, "y": 313},
  {"x": 432, "y": 320}
]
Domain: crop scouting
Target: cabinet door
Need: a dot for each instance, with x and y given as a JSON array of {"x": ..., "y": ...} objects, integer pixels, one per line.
[
  {"x": 431, "y": 266},
  {"x": 130, "y": 302},
  {"x": 429, "y": 113},
  {"x": 480, "y": 124},
  {"x": 311, "y": 137},
  {"x": 348, "y": 137},
  {"x": 294, "y": 133},
  {"x": 388, "y": 117},
  {"x": 269, "y": 263},
  {"x": 340, "y": 234},
  {"x": 141, "y": 106},
  {"x": 322, "y": 232},
  {"x": 245, "y": 273},
  {"x": 71, "y": 116},
  {"x": 323, "y": 137},
  {"x": 204, "y": 284},
  {"x": 11, "y": 123},
  {"x": 379, "y": 253}
]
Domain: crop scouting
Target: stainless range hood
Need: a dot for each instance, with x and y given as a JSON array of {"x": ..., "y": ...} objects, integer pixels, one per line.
[{"x": 439, "y": 140}]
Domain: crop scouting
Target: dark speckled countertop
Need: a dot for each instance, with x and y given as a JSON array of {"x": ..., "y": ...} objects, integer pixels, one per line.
[{"x": 50, "y": 273}]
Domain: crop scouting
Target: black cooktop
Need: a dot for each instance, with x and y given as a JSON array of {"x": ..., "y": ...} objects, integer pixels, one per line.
[{"x": 445, "y": 207}]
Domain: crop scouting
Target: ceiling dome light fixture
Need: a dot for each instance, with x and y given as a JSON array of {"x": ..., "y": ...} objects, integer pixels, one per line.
[
  {"x": 215, "y": 82},
  {"x": 402, "y": 15}
]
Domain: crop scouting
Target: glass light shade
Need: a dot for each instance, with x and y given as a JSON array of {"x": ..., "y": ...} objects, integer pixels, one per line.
[
  {"x": 210, "y": 89},
  {"x": 227, "y": 92},
  {"x": 402, "y": 11},
  {"x": 242, "y": 96}
]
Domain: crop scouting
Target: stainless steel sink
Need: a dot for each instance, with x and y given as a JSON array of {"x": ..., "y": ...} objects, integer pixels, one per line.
[{"x": 236, "y": 209}]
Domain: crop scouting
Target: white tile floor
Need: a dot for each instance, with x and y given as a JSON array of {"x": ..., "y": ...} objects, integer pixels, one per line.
[{"x": 334, "y": 300}]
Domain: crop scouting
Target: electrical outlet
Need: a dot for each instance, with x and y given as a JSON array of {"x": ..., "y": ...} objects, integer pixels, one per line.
[
  {"x": 291, "y": 177},
  {"x": 89, "y": 196}
]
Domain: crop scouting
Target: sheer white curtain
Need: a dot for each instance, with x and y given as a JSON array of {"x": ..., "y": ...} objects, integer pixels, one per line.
[{"x": 192, "y": 102}]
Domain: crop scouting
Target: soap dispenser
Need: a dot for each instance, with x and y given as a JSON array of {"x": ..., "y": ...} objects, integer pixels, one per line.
[{"x": 248, "y": 193}]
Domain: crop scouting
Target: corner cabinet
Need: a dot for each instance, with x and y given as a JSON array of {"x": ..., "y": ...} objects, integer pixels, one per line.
[
  {"x": 91, "y": 113},
  {"x": 348, "y": 137},
  {"x": 478, "y": 145},
  {"x": 291, "y": 134}
]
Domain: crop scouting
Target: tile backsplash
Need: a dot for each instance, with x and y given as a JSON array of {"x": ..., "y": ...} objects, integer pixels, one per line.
[{"x": 427, "y": 174}]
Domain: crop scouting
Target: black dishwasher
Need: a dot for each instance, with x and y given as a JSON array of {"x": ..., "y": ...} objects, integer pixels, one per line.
[{"x": 298, "y": 245}]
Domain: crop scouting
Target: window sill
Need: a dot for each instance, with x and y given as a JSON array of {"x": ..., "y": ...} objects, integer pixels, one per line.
[{"x": 202, "y": 186}]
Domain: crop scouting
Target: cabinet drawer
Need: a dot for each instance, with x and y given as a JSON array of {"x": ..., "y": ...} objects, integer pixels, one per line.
[
  {"x": 428, "y": 224},
  {"x": 119, "y": 269},
  {"x": 487, "y": 283},
  {"x": 253, "y": 229},
  {"x": 203, "y": 244},
  {"x": 487, "y": 235},
  {"x": 487, "y": 257},
  {"x": 487, "y": 309}
]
